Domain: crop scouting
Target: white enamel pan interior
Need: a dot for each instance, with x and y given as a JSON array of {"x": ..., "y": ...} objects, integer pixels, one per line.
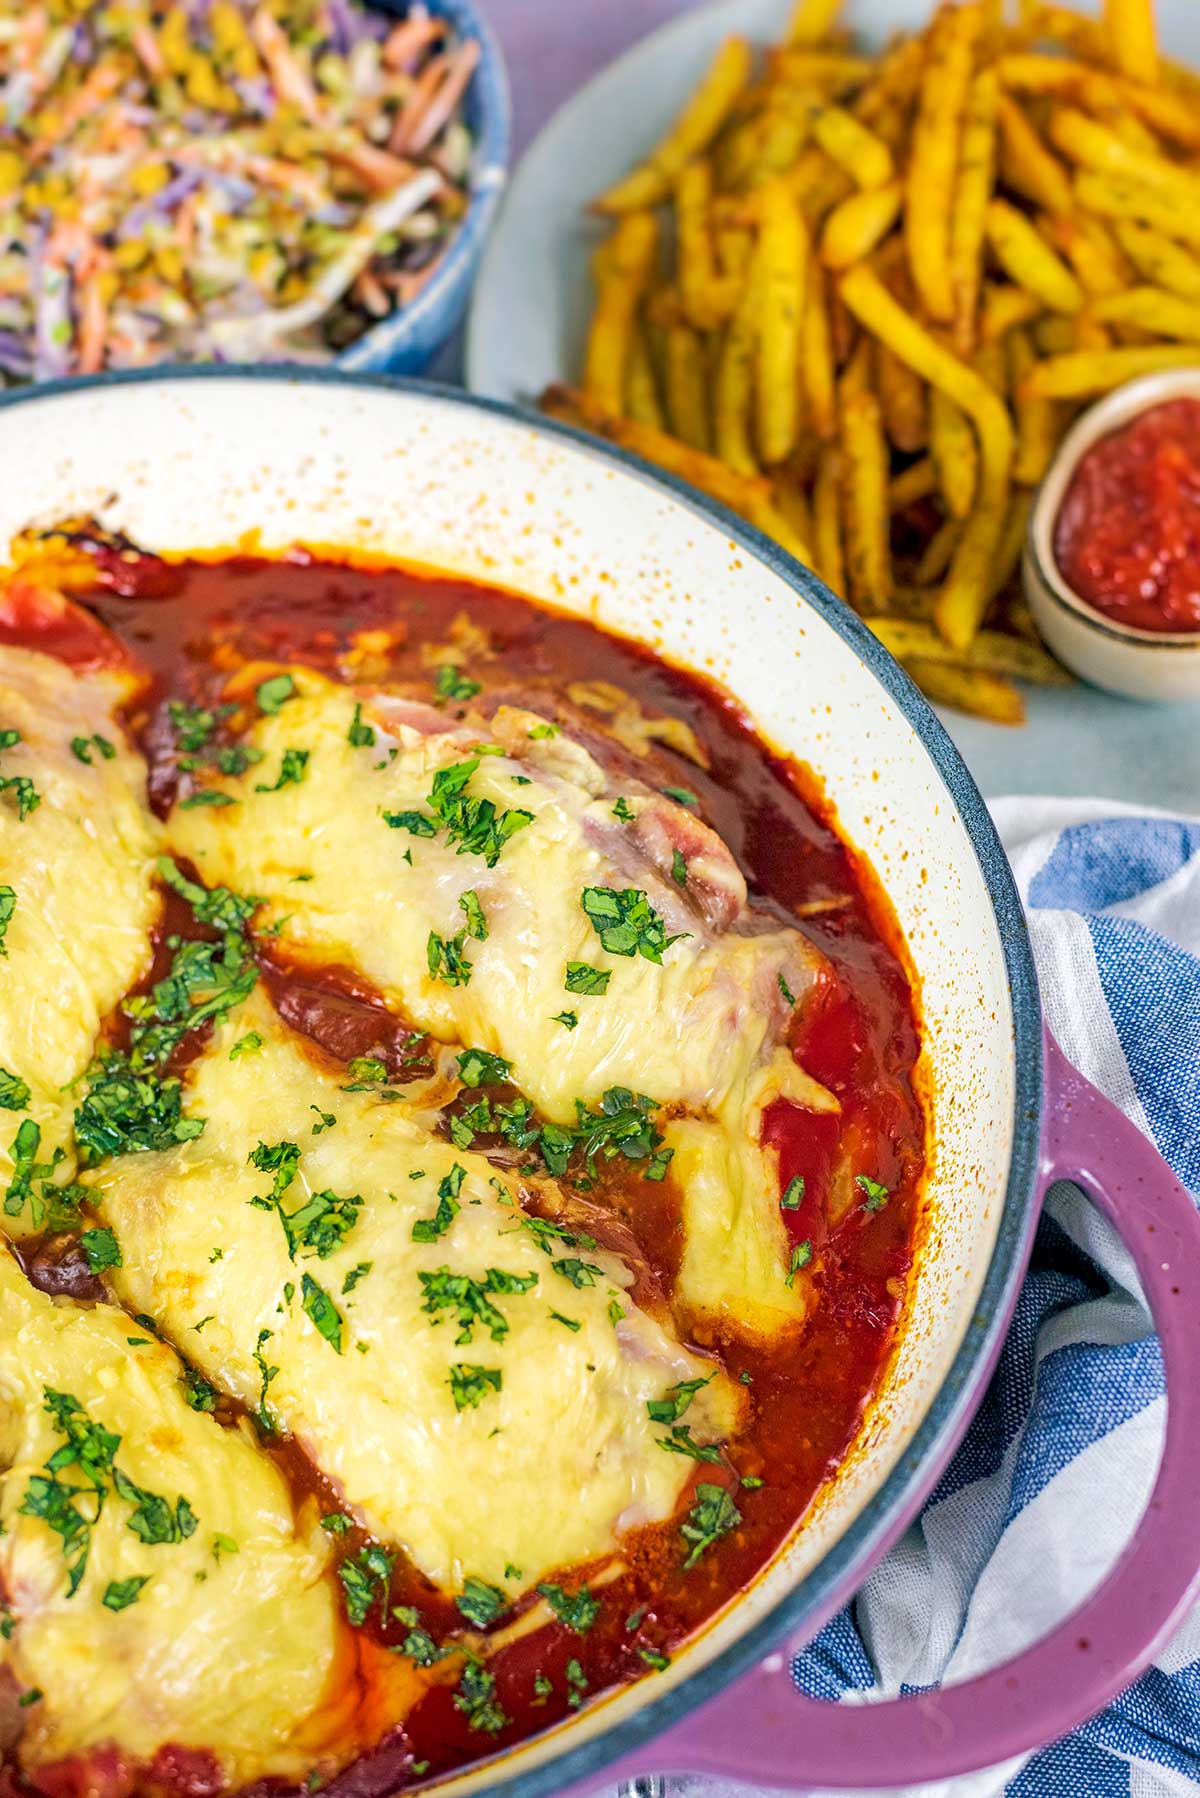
[{"x": 207, "y": 459}]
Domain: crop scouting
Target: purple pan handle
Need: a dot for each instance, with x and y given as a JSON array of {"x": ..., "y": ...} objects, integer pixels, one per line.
[{"x": 762, "y": 1731}]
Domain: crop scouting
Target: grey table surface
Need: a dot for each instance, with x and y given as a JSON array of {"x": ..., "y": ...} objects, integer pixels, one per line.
[{"x": 1076, "y": 743}]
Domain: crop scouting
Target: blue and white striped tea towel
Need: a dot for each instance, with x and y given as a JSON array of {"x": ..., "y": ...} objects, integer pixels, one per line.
[{"x": 1071, "y": 1427}]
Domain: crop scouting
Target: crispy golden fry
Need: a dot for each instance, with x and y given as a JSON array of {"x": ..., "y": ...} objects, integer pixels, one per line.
[
  {"x": 1083, "y": 37},
  {"x": 1089, "y": 334},
  {"x": 1025, "y": 255},
  {"x": 812, "y": 21},
  {"x": 1054, "y": 334},
  {"x": 787, "y": 124},
  {"x": 976, "y": 171},
  {"x": 853, "y": 229},
  {"x": 735, "y": 375},
  {"x": 827, "y": 522},
  {"x": 1027, "y": 164},
  {"x": 971, "y": 690},
  {"x": 1037, "y": 73},
  {"x": 1151, "y": 309},
  {"x": 828, "y": 73},
  {"x": 938, "y": 553},
  {"x": 1090, "y": 250},
  {"x": 916, "y": 482},
  {"x": 624, "y": 273},
  {"x": 696, "y": 269},
  {"x": 864, "y": 493},
  {"x": 687, "y": 397},
  {"x": 1009, "y": 552},
  {"x": 819, "y": 183},
  {"x": 1095, "y": 147},
  {"x": 1163, "y": 263},
  {"x": 1080, "y": 376},
  {"x": 1004, "y": 308},
  {"x": 894, "y": 83},
  {"x": 691, "y": 133},
  {"x": 932, "y": 162},
  {"x": 783, "y": 258},
  {"x": 1130, "y": 26},
  {"x": 953, "y": 452},
  {"x": 992, "y": 651},
  {"x": 902, "y": 397},
  {"x": 854, "y": 147},
  {"x": 641, "y": 385},
  {"x": 735, "y": 491},
  {"x": 791, "y": 502},
  {"x": 1037, "y": 419},
  {"x": 776, "y": 524},
  {"x": 1117, "y": 197},
  {"x": 1173, "y": 115},
  {"x": 816, "y": 359}
]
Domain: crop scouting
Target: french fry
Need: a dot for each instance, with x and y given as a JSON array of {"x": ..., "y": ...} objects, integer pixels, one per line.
[
  {"x": 854, "y": 147},
  {"x": 819, "y": 183},
  {"x": 1130, "y": 26},
  {"x": 1090, "y": 250},
  {"x": 816, "y": 359},
  {"x": 1054, "y": 334},
  {"x": 786, "y": 124},
  {"x": 791, "y": 503},
  {"x": 972, "y": 690},
  {"x": 1026, "y": 162},
  {"x": 864, "y": 492},
  {"x": 829, "y": 74},
  {"x": 1095, "y": 147},
  {"x": 994, "y": 652},
  {"x": 767, "y": 516},
  {"x": 1088, "y": 333},
  {"x": 932, "y": 164},
  {"x": 1036, "y": 73},
  {"x": 1004, "y": 308},
  {"x": 1081, "y": 376},
  {"x": 687, "y": 399},
  {"x": 1037, "y": 420},
  {"x": 954, "y": 453},
  {"x": 1160, "y": 261},
  {"x": 624, "y": 272},
  {"x": 1151, "y": 309},
  {"x": 902, "y": 397},
  {"x": 783, "y": 255},
  {"x": 827, "y": 523},
  {"x": 735, "y": 375},
  {"x": 938, "y": 553},
  {"x": 696, "y": 271},
  {"x": 812, "y": 21},
  {"x": 1008, "y": 555},
  {"x": 1025, "y": 255},
  {"x": 691, "y": 133},
  {"x": 853, "y": 229},
  {"x": 1118, "y": 197},
  {"x": 641, "y": 386},
  {"x": 976, "y": 170},
  {"x": 916, "y": 482}
]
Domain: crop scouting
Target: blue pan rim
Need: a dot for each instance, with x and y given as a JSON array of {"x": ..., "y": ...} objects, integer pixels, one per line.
[{"x": 851, "y": 1557}]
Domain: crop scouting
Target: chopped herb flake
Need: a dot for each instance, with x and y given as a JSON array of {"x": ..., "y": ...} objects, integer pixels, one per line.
[
  {"x": 321, "y": 1310},
  {"x": 583, "y": 978},
  {"x": 470, "y": 1384},
  {"x": 793, "y": 1193},
  {"x": 626, "y": 922},
  {"x": 273, "y": 693},
  {"x": 119, "y": 1594},
  {"x": 877, "y": 1195},
  {"x": 450, "y": 684},
  {"x": 712, "y": 1516}
]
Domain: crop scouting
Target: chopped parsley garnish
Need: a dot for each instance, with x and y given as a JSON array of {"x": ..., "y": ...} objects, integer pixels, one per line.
[
  {"x": 246, "y": 1045},
  {"x": 100, "y": 1249},
  {"x": 337, "y": 1522},
  {"x": 222, "y": 1545},
  {"x": 193, "y": 725},
  {"x": 547, "y": 1234},
  {"x": 450, "y": 684},
  {"x": 470, "y": 1384},
  {"x": 622, "y": 1126},
  {"x": 415, "y": 823},
  {"x": 321, "y": 1224},
  {"x": 418, "y": 1644},
  {"x": 428, "y": 1229},
  {"x": 793, "y": 1193},
  {"x": 655, "y": 1659},
  {"x": 543, "y": 1688},
  {"x": 800, "y": 1257},
  {"x": 679, "y": 1442},
  {"x": 366, "y": 1071},
  {"x": 572, "y": 1323},
  {"x": 470, "y": 1300},
  {"x": 786, "y": 990},
  {"x": 200, "y": 1393},
  {"x": 575, "y": 1610},
  {"x": 476, "y": 1698},
  {"x": 266, "y": 1373},
  {"x": 681, "y": 795},
  {"x": 325, "y": 1120},
  {"x": 751, "y": 1482},
  {"x": 218, "y": 906},
  {"x": 22, "y": 788},
  {"x": 59, "y": 1201},
  {"x": 153, "y": 1518},
  {"x": 623, "y": 810},
  {"x": 292, "y": 767},
  {"x": 322, "y": 1312},
  {"x": 616, "y": 1312},
  {"x": 679, "y": 871},
  {"x": 278, "y": 1158},
  {"x": 8, "y": 905},
  {"x": 712, "y": 1516},
  {"x": 476, "y": 922},
  {"x": 205, "y": 980},
  {"x": 119, "y": 1594},
  {"x": 877, "y": 1195},
  {"x": 357, "y": 1273},
  {"x": 577, "y": 1685},
  {"x": 480, "y": 1603},
  {"x": 447, "y": 959},
  {"x": 273, "y": 693},
  {"x": 359, "y": 735},
  {"x": 365, "y": 1579},
  {"x": 125, "y": 1111},
  {"x": 583, "y": 978},
  {"x": 475, "y": 825},
  {"x": 14, "y": 1094},
  {"x": 671, "y": 1408},
  {"x": 81, "y": 748},
  {"x": 579, "y": 1273},
  {"x": 568, "y": 1019},
  {"x": 235, "y": 758},
  {"x": 478, "y": 1067},
  {"x": 626, "y": 922},
  {"x": 542, "y": 731},
  {"x": 206, "y": 796}
]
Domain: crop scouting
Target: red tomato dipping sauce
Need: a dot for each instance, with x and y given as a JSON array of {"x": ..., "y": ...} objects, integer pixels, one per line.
[{"x": 1127, "y": 539}]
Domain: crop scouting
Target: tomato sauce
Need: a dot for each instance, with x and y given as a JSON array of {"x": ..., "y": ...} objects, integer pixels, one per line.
[
  {"x": 807, "y": 1395},
  {"x": 1127, "y": 539}
]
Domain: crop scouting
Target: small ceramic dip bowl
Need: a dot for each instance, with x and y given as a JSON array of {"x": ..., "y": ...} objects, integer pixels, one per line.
[{"x": 1142, "y": 664}]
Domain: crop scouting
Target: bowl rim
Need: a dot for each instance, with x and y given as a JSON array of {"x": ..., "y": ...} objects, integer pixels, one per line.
[
  {"x": 1105, "y": 416},
  {"x": 806, "y": 1605},
  {"x": 491, "y": 91}
]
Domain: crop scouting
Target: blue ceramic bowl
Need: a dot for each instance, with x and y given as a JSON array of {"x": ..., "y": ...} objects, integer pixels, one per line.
[{"x": 407, "y": 342}]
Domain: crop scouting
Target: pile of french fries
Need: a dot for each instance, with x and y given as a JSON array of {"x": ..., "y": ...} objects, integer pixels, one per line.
[{"x": 860, "y": 299}]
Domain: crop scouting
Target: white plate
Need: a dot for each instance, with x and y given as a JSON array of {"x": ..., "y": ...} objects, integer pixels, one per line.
[{"x": 532, "y": 301}]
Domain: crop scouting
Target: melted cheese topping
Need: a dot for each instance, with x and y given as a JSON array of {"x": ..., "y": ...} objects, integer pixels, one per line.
[
  {"x": 82, "y": 868},
  {"x": 701, "y": 1032},
  {"x": 547, "y": 1469},
  {"x": 242, "y": 1649}
]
